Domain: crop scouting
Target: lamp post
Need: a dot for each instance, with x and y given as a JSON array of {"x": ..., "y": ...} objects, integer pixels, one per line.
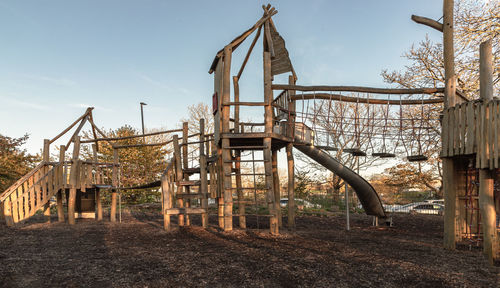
[{"x": 142, "y": 116}]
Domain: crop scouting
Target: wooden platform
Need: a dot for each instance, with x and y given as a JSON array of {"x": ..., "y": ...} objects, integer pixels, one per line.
[{"x": 255, "y": 141}]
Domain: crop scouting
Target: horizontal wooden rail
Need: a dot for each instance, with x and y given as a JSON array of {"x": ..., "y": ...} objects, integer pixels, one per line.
[
  {"x": 338, "y": 97},
  {"x": 245, "y": 104},
  {"x": 359, "y": 89},
  {"x": 131, "y": 136}
]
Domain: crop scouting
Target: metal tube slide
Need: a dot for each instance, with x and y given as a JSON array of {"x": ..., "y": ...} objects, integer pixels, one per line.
[{"x": 365, "y": 191}]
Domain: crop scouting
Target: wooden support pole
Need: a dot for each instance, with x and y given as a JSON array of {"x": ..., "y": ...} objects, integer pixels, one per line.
[
  {"x": 178, "y": 175},
  {"x": 73, "y": 180},
  {"x": 114, "y": 195},
  {"x": 236, "y": 107},
  {"x": 46, "y": 159},
  {"x": 268, "y": 166},
  {"x": 226, "y": 152},
  {"x": 185, "y": 163},
  {"x": 165, "y": 190},
  {"x": 486, "y": 190},
  {"x": 60, "y": 208},
  {"x": 276, "y": 188},
  {"x": 290, "y": 159},
  {"x": 97, "y": 181},
  {"x": 449, "y": 169},
  {"x": 239, "y": 190},
  {"x": 203, "y": 176}
]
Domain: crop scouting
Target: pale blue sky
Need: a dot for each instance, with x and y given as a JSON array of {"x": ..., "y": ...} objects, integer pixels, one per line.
[{"x": 58, "y": 57}]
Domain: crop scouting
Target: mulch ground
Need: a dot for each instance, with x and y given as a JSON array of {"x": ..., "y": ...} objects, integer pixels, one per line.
[{"x": 138, "y": 253}]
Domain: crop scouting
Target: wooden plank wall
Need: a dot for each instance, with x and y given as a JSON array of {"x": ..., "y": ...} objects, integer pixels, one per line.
[{"x": 473, "y": 128}]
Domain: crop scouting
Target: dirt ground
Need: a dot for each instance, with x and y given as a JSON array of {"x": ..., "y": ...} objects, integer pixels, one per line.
[{"x": 138, "y": 253}]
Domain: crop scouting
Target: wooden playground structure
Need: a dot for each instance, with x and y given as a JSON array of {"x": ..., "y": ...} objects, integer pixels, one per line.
[{"x": 470, "y": 140}]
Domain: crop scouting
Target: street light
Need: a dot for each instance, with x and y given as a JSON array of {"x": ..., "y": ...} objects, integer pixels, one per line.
[{"x": 142, "y": 116}]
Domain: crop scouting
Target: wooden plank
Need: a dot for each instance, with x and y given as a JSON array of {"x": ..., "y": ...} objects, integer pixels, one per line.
[
  {"x": 114, "y": 192},
  {"x": 484, "y": 137},
  {"x": 203, "y": 176},
  {"x": 497, "y": 132},
  {"x": 359, "y": 89},
  {"x": 32, "y": 196},
  {"x": 26, "y": 199},
  {"x": 445, "y": 134},
  {"x": 491, "y": 135},
  {"x": 478, "y": 128},
  {"x": 15, "y": 210},
  {"x": 451, "y": 128},
  {"x": 469, "y": 146},
  {"x": 456, "y": 131}
]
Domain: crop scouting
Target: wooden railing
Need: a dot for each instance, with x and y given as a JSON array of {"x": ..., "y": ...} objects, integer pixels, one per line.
[
  {"x": 30, "y": 193},
  {"x": 473, "y": 128}
]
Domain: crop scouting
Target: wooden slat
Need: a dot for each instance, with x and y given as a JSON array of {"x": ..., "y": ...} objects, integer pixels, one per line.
[
  {"x": 497, "y": 132},
  {"x": 26, "y": 199},
  {"x": 463, "y": 127},
  {"x": 15, "y": 210},
  {"x": 451, "y": 125},
  {"x": 32, "y": 196},
  {"x": 445, "y": 134},
  {"x": 469, "y": 146},
  {"x": 38, "y": 189},
  {"x": 456, "y": 130},
  {"x": 478, "y": 135},
  {"x": 491, "y": 120}
]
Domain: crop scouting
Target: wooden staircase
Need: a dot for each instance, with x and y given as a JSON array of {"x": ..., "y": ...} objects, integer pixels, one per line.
[{"x": 32, "y": 192}]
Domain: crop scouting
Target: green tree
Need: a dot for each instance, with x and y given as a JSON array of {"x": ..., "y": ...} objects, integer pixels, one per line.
[{"x": 14, "y": 160}]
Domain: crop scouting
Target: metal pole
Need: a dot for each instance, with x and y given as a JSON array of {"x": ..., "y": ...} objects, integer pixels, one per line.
[
  {"x": 347, "y": 225},
  {"x": 142, "y": 116}
]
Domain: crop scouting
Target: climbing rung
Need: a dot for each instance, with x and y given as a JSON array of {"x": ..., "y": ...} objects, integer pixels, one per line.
[
  {"x": 355, "y": 152},
  {"x": 248, "y": 174},
  {"x": 245, "y": 147},
  {"x": 191, "y": 170},
  {"x": 243, "y": 161},
  {"x": 189, "y": 183},
  {"x": 415, "y": 158},
  {"x": 193, "y": 195},
  {"x": 176, "y": 211},
  {"x": 250, "y": 188}
]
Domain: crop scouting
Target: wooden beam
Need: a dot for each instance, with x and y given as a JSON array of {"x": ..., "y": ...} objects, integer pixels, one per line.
[
  {"x": 114, "y": 195},
  {"x": 238, "y": 40},
  {"x": 71, "y": 126},
  {"x": 338, "y": 97},
  {"x": 249, "y": 52},
  {"x": 60, "y": 208},
  {"x": 359, "y": 89},
  {"x": 428, "y": 22},
  {"x": 131, "y": 137},
  {"x": 74, "y": 175}
]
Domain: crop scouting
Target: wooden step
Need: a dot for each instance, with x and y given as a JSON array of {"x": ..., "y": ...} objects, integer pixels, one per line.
[
  {"x": 355, "y": 152},
  {"x": 191, "y": 171},
  {"x": 177, "y": 211},
  {"x": 244, "y": 161},
  {"x": 189, "y": 183},
  {"x": 248, "y": 174},
  {"x": 327, "y": 148},
  {"x": 191, "y": 195}
]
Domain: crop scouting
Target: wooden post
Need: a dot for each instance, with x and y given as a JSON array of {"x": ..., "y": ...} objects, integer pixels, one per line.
[
  {"x": 290, "y": 160},
  {"x": 178, "y": 175},
  {"x": 203, "y": 176},
  {"x": 226, "y": 151},
  {"x": 46, "y": 159},
  {"x": 185, "y": 163},
  {"x": 236, "y": 107},
  {"x": 450, "y": 174},
  {"x": 73, "y": 180},
  {"x": 268, "y": 122},
  {"x": 276, "y": 188},
  {"x": 60, "y": 208},
  {"x": 486, "y": 191},
  {"x": 165, "y": 190},
  {"x": 97, "y": 181},
  {"x": 114, "y": 195}
]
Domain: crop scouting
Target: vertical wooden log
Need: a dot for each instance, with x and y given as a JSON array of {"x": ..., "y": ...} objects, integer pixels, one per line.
[
  {"x": 178, "y": 174},
  {"x": 60, "y": 208},
  {"x": 268, "y": 120},
  {"x": 226, "y": 151},
  {"x": 97, "y": 181},
  {"x": 276, "y": 188},
  {"x": 114, "y": 195},
  {"x": 46, "y": 159},
  {"x": 290, "y": 159},
  {"x": 236, "y": 107},
  {"x": 73, "y": 179},
  {"x": 203, "y": 176},
  {"x": 165, "y": 190},
  {"x": 449, "y": 171},
  {"x": 486, "y": 191},
  {"x": 220, "y": 188},
  {"x": 185, "y": 165}
]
